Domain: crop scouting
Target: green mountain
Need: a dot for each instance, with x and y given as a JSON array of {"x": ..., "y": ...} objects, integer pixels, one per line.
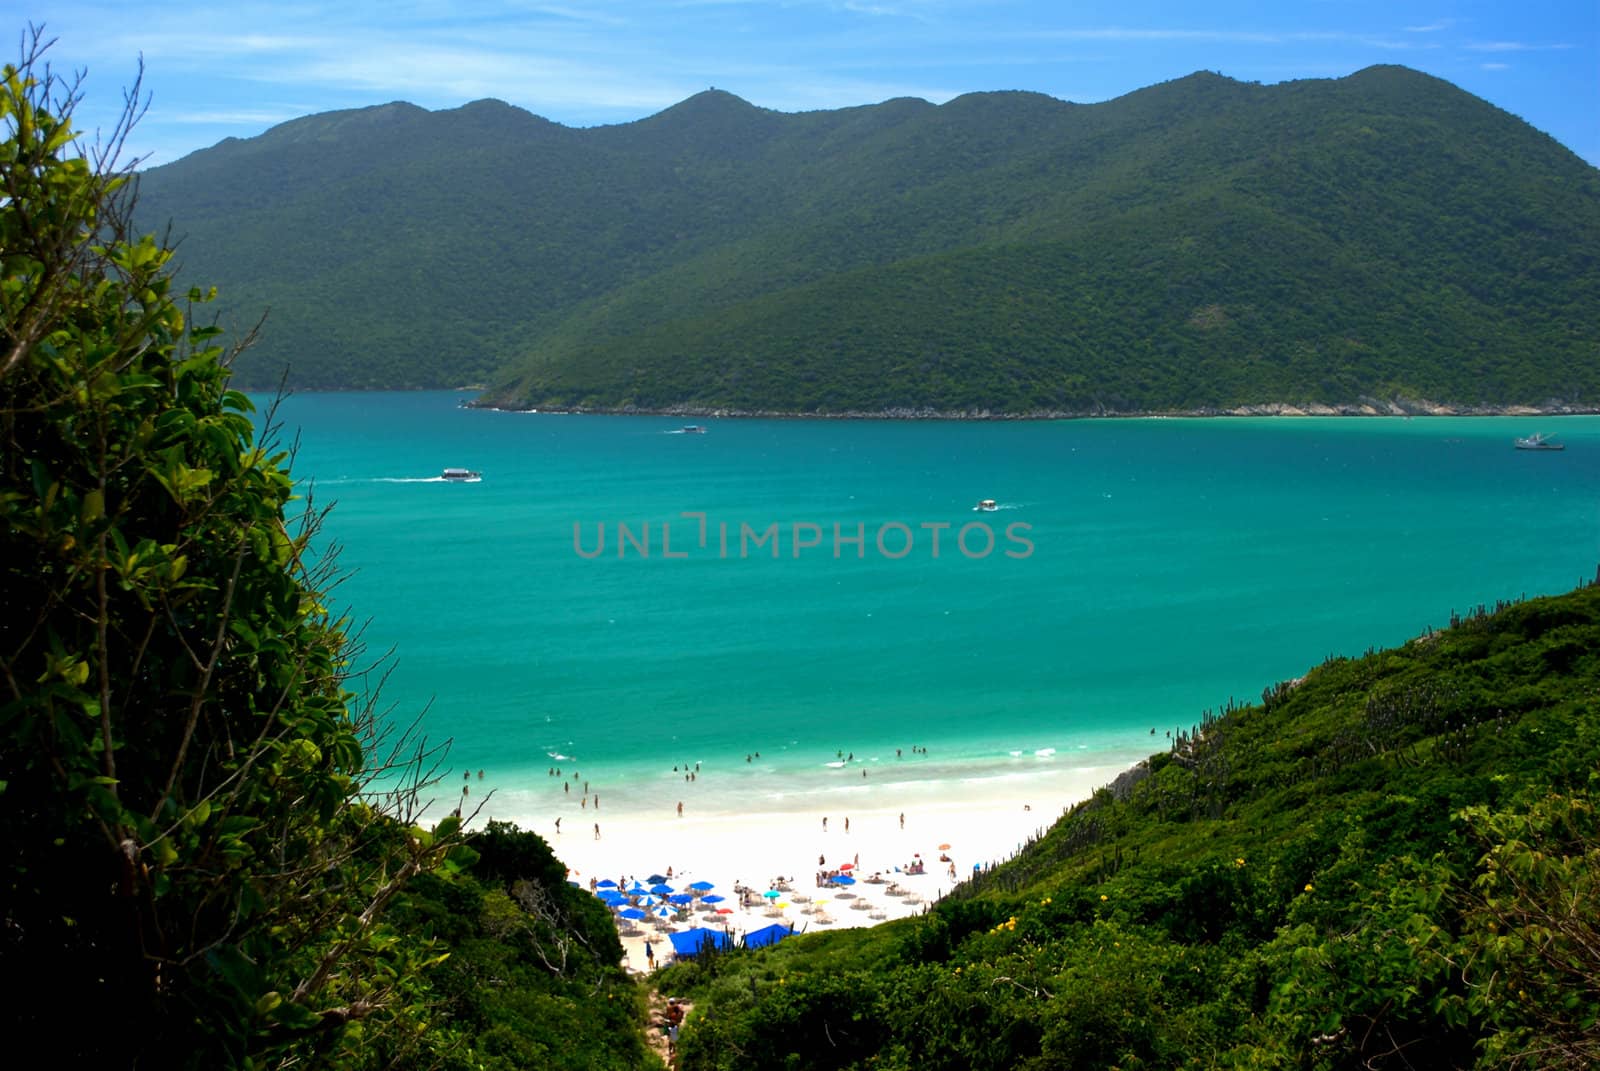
[{"x": 1199, "y": 243}]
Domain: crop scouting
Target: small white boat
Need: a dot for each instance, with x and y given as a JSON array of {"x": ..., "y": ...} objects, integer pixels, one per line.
[
  {"x": 987, "y": 505},
  {"x": 694, "y": 429},
  {"x": 461, "y": 476},
  {"x": 1538, "y": 441}
]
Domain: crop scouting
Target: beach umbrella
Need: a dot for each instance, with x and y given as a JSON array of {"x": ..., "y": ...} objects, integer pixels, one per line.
[
  {"x": 691, "y": 942},
  {"x": 944, "y": 847},
  {"x": 656, "y": 879},
  {"x": 649, "y": 901},
  {"x": 681, "y": 898},
  {"x": 712, "y": 899},
  {"x": 663, "y": 912},
  {"x": 702, "y": 886},
  {"x": 767, "y": 935},
  {"x": 662, "y": 889},
  {"x": 631, "y": 913},
  {"x": 611, "y": 897},
  {"x": 847, "y": 866},
  {"x": 843, "y": 879},
  {"x": 607, "y": 884},
  {"x": 772, "y": 894},
  {"x": 724, "y": 910}
]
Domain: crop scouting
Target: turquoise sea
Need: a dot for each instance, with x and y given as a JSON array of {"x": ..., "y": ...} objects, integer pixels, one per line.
[{"x": 1158, "y": 568}]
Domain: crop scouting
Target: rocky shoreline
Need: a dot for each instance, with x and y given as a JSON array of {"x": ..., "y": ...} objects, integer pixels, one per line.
[{"x": 1364, "y": 407}]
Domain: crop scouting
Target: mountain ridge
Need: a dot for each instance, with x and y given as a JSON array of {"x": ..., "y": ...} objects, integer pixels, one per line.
[{"x": 1197, "y": 244}]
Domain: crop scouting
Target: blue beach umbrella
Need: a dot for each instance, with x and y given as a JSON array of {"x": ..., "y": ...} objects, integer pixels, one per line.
[
  {"x": 612, "y": 897},
  {"x": 767, "y": 935},
  {"x": 772, "y": 894},
  {"x": 656, "y": 879},
  {"x": 637, "y": 887},
  {"x": 702, "y": 886},
  {"x": 681, "y": 898},
  {"x": 607, "y": 884},
  {"x": 662, "y": 890},
  {"x": 631, "y": 913},
  {"x": 663, "y": 912},
  {"x": 649, "y": 901},
  {"x": 692, "y": 942},
  {"x": 843, "y": 879},
  {"x": 712, "y": 899}
]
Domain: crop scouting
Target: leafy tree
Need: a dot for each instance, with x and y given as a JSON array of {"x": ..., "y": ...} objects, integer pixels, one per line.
[
  {"x": 202, "y": 826},
  {"x": 1530, "y": 950}
]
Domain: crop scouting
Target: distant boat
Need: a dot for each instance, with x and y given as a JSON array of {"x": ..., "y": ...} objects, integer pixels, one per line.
[
  {"x": 461, "y": 476},
  {"x": 1538, "y": 441},
  {"x": 694, "y": 429},
  {"x": 987, "y": 505}
]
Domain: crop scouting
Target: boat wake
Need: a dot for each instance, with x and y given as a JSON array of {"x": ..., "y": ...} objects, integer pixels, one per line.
[{"x": 395, "y": 479}]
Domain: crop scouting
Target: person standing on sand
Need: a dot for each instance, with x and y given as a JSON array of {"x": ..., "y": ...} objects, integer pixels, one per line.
[
  {"x": 902, "y": 819},
  {"x": 597, "y": 831},
  {"x": 558, "y": 825},
  {"x": 649, "y": 955},
  {"x": 680, "y": 808},
  {"x": 824, "y": 824}
]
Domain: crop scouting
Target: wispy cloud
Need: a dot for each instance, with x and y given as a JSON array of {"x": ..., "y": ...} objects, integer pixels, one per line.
[
  {"x": 1432, "y": 27},
  {"x": 1494, "y": 66},
  {"x": 397, "y": 67},
  {"x": 1513, "y": 46},
  {"x": 244, "y": 117},
  {"x": 1223, "y": 37}
]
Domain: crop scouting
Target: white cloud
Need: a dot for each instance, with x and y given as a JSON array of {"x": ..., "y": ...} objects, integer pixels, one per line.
[
  {"x": 245, "y": 117},
  {"x": 1513, "y": 46}
]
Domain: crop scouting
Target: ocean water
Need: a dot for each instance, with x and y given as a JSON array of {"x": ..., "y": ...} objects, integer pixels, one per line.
[{"x": 1140, "y": 572}]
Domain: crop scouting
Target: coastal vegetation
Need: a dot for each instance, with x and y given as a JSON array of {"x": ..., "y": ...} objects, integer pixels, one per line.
[
  {"x": 1388, "y": 863},
  {"x": 1198, "y": 244},
  {"x": 215, "y": 853}
]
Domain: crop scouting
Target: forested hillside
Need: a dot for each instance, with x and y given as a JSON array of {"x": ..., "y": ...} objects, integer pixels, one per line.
[{"x": 1200, "y": 243}]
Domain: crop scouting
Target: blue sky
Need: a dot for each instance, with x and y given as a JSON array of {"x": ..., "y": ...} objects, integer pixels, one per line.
[{"x": 214, "y": 70}]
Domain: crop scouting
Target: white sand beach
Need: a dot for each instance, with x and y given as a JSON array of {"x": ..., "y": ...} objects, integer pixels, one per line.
[{"x": 971, "y": 823}]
